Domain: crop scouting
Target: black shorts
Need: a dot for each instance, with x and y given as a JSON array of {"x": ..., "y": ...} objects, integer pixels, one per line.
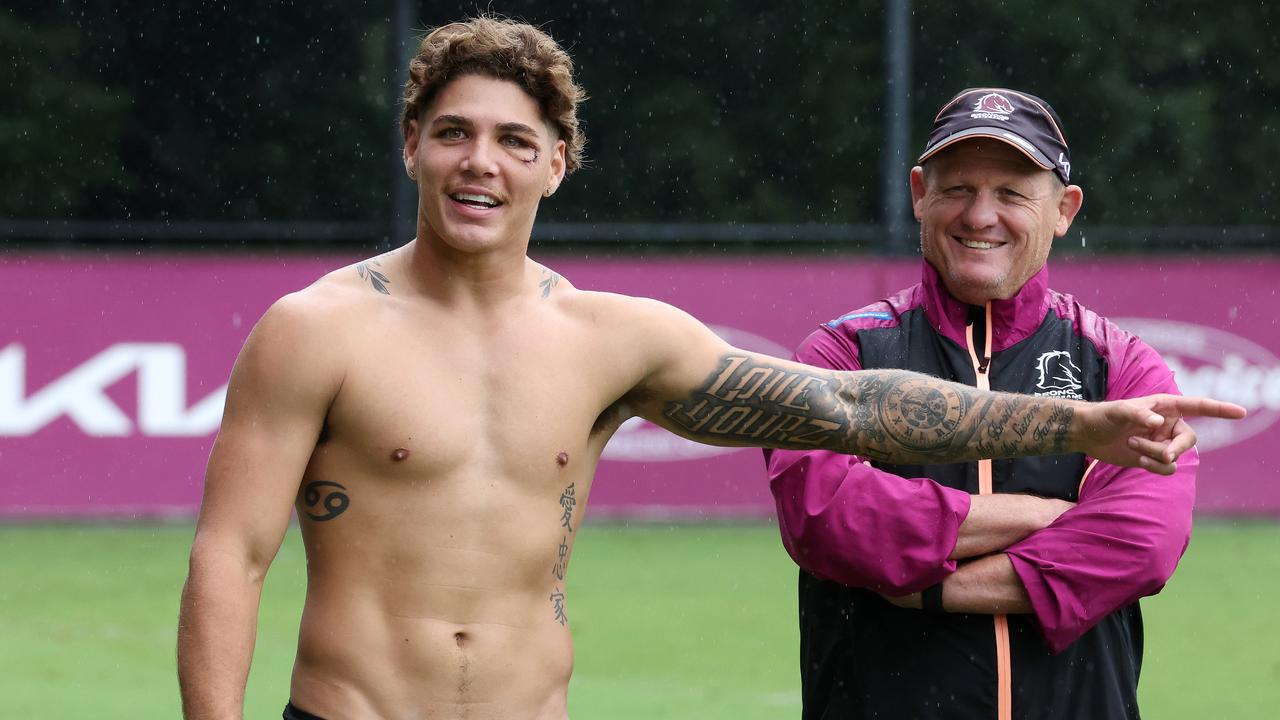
[{"x": 291, "y": 712}]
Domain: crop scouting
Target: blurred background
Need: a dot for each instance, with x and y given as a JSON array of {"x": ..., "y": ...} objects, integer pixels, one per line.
[{"x": 167, "y": 170}]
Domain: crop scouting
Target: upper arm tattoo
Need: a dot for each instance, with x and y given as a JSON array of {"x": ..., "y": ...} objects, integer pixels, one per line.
[{"x": 890, "y": 415}]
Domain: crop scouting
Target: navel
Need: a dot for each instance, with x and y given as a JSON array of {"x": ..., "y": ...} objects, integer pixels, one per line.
[{"x": 399, "y": 454}]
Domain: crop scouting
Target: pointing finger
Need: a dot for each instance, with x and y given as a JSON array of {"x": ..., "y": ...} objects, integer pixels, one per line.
[{"x": 1206, "y": 407}]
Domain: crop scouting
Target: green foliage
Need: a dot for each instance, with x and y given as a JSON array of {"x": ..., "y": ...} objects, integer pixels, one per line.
[
  {"x": 270, "y": 111},
  {"x": 1172, "y": 110},
  {"x": 712, "y": 111},
  {"x": 58, "y": 129}
]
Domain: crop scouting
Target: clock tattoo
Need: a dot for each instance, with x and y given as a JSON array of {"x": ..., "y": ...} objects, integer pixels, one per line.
[{"x": 922, "y": 414}]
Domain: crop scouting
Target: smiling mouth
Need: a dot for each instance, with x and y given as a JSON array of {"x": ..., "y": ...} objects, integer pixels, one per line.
[
  {"x": 474, "y": 200},
  {"x": 976, "y": 244}
]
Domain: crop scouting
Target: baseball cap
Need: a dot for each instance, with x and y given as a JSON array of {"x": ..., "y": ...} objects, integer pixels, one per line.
[{"x": 1024, "y": 121}]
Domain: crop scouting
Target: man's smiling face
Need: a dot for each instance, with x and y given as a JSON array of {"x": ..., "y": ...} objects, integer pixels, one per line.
[
  {"x": 484, "y": 157},
  {"x": 988, "y": 217}
]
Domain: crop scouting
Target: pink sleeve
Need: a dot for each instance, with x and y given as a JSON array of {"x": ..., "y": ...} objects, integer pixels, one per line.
[
  {"x": 845, "y": 521},
  {"x": 1124, "y": 539}
]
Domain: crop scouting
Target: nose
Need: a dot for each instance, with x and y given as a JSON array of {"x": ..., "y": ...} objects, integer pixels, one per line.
[
  {"x": 981, "y": 212},
  {"x": 480, "y": 160}
]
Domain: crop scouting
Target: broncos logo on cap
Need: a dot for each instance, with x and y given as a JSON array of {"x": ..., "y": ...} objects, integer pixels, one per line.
[{"x": 993, "y": 103}]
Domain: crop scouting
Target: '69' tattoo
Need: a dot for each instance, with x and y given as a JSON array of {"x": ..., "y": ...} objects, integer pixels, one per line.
[
  {"x": 334, "y": 501},
  {"x": 891, "y": 415}
]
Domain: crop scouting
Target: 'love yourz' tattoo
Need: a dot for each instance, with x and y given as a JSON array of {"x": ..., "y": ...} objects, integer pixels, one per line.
[
  {"x": 375, "y": 278},
  {"x": 568, "y": 501},
  {"x": 334, "y": 501},
  {"x": 890, "y": 415},
  {"x": 751, "y": 401}
]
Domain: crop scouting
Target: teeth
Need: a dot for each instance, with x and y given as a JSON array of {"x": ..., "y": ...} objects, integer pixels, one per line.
[
  {"x": 977, "y": 244},
  {"x": 482, "y": 199}
]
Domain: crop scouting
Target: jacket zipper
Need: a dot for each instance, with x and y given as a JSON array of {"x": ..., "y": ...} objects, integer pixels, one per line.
[{"x": 981, "y": 368}]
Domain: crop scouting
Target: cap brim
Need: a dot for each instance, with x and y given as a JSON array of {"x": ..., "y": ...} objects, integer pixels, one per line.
[{"x": 995, "y": 133}]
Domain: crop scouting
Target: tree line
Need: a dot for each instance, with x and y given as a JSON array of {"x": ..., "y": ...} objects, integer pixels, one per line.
[{"x": 698, "y": 111}]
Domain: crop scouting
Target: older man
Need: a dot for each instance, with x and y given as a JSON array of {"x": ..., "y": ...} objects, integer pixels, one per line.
[{"x": 1005, "y": 589}]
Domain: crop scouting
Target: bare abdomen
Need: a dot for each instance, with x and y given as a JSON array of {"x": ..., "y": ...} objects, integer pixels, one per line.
[
  {"x": 361, "y": 656},
  {"x": 411, "y": 616}
]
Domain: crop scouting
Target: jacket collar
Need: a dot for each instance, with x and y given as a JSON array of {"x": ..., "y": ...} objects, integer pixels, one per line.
[{"x": 1012, "y": 320}]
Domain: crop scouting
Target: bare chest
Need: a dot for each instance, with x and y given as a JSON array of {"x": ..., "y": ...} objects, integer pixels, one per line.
[{"x": 511, "y": 399}]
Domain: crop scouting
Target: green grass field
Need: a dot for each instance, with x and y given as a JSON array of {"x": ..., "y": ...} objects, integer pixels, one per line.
[{"x": 691, "y": 621}]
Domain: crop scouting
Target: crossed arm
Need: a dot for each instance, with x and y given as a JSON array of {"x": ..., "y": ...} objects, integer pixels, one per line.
[
  {"x": 1121, "y": 543},
  {"x": 846, "y": 521}
]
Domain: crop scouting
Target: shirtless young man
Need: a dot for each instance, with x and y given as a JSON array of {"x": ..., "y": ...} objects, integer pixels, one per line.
[{"x": 435, "y": 415}]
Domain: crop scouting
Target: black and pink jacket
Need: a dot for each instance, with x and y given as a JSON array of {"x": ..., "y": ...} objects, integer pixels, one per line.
[{"x": 859, "y": 528}]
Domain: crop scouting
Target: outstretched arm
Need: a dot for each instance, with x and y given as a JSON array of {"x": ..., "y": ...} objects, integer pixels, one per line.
[{"x": 898, "y": 416}]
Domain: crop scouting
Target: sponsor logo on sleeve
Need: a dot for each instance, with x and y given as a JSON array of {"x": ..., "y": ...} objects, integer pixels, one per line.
[{"x": 1215, "y": 363}]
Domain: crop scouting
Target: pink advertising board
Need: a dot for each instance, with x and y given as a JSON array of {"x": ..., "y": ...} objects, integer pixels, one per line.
[{"x": 113, "y": 370}]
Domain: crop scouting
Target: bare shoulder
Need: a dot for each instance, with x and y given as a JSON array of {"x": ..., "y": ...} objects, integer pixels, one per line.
[
  {"x": 363, "y": 280},
  {"x": 617, "y": 308},
  {"x": 648, "y": 338},
  {"x": 310, "y": 313},
  {"x": 305, "y": 335}
]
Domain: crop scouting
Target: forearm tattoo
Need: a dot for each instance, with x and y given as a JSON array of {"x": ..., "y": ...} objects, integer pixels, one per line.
[
  {"x": 890, "y": 415},
  {"x": 325, "y": 500}
]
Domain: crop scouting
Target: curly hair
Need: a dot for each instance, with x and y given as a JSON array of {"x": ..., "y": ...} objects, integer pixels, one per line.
[{"x": 507, "y": 50}]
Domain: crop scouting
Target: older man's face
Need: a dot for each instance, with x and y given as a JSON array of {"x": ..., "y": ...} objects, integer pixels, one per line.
[{"x": 988, "y": 217}]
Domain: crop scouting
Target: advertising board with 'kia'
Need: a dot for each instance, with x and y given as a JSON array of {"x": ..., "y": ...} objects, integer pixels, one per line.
[{"x": 113, "y": 371}]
